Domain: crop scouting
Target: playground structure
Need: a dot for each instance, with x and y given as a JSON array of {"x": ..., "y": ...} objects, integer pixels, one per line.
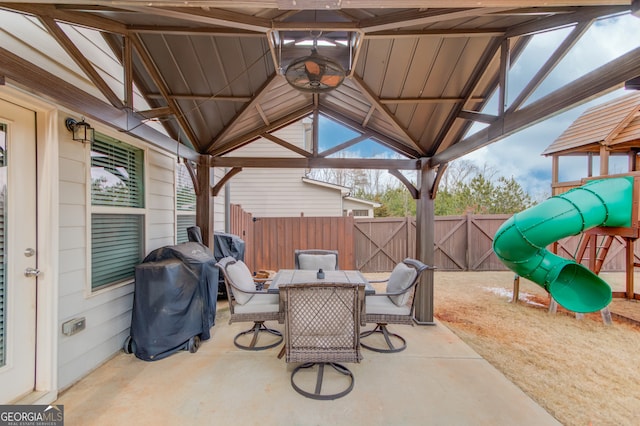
[
  {"x": 603, "y": 209},
  {"x": 521, "y": 241}
]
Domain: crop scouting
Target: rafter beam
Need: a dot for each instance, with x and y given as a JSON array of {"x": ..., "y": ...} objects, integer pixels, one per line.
[
  {"x": 87, "y": 20},
  {"x": 468, "y": 90},
  {"x": 287, "y": 6},
  {"x": 193, "y": 31},
  {"x": 285, "y": 144},
  {"x": 255, "y": 134},
  {"x": 550, "y": 64},
  {"x": 155, "y": 112},
  {"x": 399, "y": 101},
  {"x": 477, "y": 116},
  {"x": 243, "y": 112},
  {"x": 367, "y": 117},
  {"x": 517, "y": 49},
  {"x": 599, "y": 81},
  {"x": 392, "y": 119},
  {"x": 159, "y": 82},
  {"x": 56, "y": 32},
  {"x": 27, "y": 76},
  {"x": 412, "y": 17},
  {"x": 379, "y": 137},
  {"x": 582, "y": 14},
  {"x": 127, "y": 66},
  {"x": 209, "y": 16},
  {"x": 315, "y": 163},
  {"x": 344, "y": 145},
  {"x": 212, "y": 97},
  {"x": 448, "y": 33}
]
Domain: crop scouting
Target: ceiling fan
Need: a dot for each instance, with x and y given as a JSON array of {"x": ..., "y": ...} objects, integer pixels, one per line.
[{"x": 315, "y": 73}]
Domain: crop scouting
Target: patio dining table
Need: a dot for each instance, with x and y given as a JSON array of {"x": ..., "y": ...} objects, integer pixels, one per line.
[{"x": 303, "y": 276}]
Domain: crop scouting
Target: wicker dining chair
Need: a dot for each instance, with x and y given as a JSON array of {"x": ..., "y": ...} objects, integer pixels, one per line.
[
  {"x": 315, "y": 259},
  {"x": 322, "y": 329},
  {"x": 247, "y": 303},
  {"x": 394, "y": 306}
]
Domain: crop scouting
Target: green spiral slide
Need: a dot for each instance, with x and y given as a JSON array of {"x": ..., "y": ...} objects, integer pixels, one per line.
[{"x": 521, "y": 241}]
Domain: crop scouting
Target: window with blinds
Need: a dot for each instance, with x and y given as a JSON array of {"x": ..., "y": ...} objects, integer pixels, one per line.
[
  {"x": 117, "y": 178},
  {"x": 182, "y": 223},
  {"x": 185, "y": 203},
  {"x": 117, "y": 235}
]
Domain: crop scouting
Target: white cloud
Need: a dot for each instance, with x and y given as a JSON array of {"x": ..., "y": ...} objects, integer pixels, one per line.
[{"x": 520, "y": 155}]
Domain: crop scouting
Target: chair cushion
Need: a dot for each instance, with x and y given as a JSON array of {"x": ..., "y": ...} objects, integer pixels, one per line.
[
  {"x": 260, "y": 303},
  {"x": 241, "y": 278},
  {"x": 382, "y": 305},
  {"x": 401, "y": 278},
  {"x": 326, "y": 262}
]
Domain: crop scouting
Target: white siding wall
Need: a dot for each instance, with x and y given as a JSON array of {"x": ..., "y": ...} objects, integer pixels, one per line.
[
  {"x": 281, "y": 192},
  {"x": 160, "y": 191},
  {"x": 218, "y": 204},
  {"x": 107, "y": 313},
  {"x": 351, "y": 205}
]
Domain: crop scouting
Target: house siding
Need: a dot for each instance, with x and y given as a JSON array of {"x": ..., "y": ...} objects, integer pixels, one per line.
[
  {"x": 107, "y": 312},
  {"x": 350, "y": 206},
  {"x": 219, "y": 204},
  {"x": 264, "y": 193}
]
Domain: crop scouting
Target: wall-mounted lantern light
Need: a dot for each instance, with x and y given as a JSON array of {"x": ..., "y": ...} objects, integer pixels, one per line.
[{"x": 81, "y": 130}]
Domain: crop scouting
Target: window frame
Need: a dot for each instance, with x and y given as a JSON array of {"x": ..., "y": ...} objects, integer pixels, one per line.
[
  {"x": 182, "y": 212},
  {"x": 92, "y": 209}
]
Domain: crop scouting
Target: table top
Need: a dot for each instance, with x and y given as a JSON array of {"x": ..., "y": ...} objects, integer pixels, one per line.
[{"x": 303, "y": 276}]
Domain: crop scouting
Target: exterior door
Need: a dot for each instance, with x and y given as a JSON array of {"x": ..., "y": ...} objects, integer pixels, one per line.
[{"x": 17, "y": 251}]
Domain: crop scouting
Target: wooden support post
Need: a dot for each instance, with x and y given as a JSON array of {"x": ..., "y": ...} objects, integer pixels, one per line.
[
  {"x": 593, "y": 251},
  {"x": 425, "y": 240},
  {"x": 204, "y": 201},
  {"x": 516, "y": 289},
  {"x": 630, "y": 267}
]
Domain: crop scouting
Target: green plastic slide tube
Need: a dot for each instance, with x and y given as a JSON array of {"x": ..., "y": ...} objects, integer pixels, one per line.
[{"x": 520, "y": 243}]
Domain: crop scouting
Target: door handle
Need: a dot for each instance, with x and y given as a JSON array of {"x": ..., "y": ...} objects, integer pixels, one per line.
[{"x": 31, "y": 272}]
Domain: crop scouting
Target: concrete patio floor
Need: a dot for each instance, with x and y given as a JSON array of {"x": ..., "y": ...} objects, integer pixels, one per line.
[{"x": 437, "y": 380}]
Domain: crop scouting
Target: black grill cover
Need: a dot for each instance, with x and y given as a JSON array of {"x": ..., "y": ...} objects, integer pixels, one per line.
[
  {"x": 228, "y": 245},
  {"x": 174, "y": 300}
]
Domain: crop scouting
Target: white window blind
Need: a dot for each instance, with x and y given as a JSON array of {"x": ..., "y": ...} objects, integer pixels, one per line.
[
  {"x": 185, "y": 203},
  {"x": 117, "y": 239}
]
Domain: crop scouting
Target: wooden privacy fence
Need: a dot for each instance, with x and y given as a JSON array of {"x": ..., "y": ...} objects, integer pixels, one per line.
[
  {"x": 271, "y": 241},
  {"x": 462, "y": 243}
]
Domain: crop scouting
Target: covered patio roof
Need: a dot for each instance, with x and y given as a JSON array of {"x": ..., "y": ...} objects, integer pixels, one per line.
[
  {"x": 417, "y": 73},
  {"x": 209, "y": 77}
]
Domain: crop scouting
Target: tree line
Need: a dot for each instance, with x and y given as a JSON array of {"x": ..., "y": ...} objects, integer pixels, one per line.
[{"x": 464, "y": 189}]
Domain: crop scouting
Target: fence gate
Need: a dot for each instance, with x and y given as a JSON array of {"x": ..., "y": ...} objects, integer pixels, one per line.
[{"x": 381, "y": 243}]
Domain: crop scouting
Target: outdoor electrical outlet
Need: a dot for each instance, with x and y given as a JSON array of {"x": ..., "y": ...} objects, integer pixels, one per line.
[{"x": 73, "y": 326}]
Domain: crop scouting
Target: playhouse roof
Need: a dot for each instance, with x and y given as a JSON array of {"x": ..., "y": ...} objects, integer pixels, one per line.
[{"x": 615, "y": 124}]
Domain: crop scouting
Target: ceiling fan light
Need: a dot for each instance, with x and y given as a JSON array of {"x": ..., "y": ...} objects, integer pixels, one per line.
[{"x": 315, "y": 73}]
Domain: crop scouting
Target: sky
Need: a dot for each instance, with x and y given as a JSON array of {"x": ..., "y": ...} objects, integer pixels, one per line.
[{"x": 519, "y": 156}]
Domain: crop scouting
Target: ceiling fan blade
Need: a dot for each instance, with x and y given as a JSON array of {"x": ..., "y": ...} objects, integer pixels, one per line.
[
  {"x": 301, "y": 80},
  {"x": 312, "y": 67},
  {"x": 331, "y": 80}
]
